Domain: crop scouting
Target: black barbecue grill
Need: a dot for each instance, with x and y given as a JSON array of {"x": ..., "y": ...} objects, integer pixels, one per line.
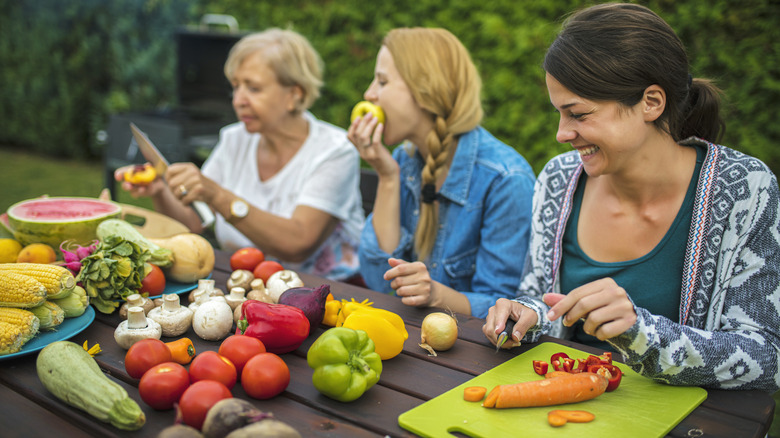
[{"x": 190, "y": 130}]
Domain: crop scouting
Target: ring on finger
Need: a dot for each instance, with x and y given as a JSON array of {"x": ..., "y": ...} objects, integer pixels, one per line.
[{"x": 183, "y": 190}]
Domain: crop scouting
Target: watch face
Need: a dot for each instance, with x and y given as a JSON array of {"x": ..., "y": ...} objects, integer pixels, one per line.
[{"x": 239, "y": 208}]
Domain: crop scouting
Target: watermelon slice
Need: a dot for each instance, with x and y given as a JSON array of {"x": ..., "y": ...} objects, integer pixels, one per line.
[
  {"x": 5, "y": 229},
  {"x": 54, "y": 220}
]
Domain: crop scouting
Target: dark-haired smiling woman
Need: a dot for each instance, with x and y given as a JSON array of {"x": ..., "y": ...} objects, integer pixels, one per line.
[{"x": 649, "y": 239}]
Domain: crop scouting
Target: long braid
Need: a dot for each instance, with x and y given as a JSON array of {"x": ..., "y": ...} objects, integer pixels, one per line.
[
  {"x": 444, "y": 81},
  {"x": 439, "y": 143}
]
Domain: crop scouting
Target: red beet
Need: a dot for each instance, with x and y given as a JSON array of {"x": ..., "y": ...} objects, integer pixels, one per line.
[{"x": 311, "y": 301}]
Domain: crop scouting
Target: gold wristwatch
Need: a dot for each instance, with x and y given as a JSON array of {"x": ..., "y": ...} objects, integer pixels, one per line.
[{"x": 238, "y": 210}]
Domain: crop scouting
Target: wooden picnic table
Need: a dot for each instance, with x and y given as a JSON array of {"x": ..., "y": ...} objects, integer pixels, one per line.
[{"x": 407, "y": 381}]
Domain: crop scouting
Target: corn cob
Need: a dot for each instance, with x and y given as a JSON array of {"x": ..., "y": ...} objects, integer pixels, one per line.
[
  {"x": 10, "y": 338},
  {"x": 17, "y": 326},
  {"x": 49, "y": 314},
  {"x": 57, "y": 280},
  {"x": 18, "y": 290}
]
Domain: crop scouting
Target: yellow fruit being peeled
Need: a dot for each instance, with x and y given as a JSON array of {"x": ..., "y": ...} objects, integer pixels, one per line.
[{"x": 37, "y": 253}]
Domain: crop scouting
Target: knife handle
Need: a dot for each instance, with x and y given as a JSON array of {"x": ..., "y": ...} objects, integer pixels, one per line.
[{"x": 204, "y": 212}]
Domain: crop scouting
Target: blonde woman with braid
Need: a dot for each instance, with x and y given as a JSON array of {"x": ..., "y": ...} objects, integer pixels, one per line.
[{"x": 451, "y": 219}]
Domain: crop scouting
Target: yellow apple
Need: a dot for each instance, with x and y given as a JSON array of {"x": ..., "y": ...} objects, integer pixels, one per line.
[{"x": 365, "y": 107}]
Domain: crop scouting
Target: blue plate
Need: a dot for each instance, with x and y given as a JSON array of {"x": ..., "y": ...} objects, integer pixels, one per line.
[{"x": 69, "y": 328}]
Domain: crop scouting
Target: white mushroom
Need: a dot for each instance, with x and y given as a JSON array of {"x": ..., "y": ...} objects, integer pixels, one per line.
[
  {"x": 202, "y": 296},
  {"x": 280, "y": 281},
  {"x": 213, "y": 319},
  {"x": 236, "y": 297},
  {"x": 136, "y": 327},
  {"x": 135, "y": 300},
  {"x": 258, "y": 291},
  {"x": 174, "y": 318},
  {"x": 205, "y": 284},
  {"x": 240, "y": 278}
]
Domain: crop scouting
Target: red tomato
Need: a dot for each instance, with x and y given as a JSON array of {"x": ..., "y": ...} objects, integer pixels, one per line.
[
  {"x": 211, "y": 365},
  {"x": 265, "y": 269},
  {"x": 265, "y": 376},
  {"x": 154, "y": 282},
  {"x": 246, "y": 258},
  {"x": 163, "y": 385},
  {"x": 240, "y": 348},
  {"x": 196, "y": 401},
  {"x": 145, "y": 354}
]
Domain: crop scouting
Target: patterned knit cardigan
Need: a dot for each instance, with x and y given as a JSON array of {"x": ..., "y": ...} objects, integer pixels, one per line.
[{"x": 730, "y": 290}]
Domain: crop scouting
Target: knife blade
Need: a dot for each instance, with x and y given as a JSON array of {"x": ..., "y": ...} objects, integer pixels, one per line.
[
  {"x": 506, "y": 334},
  {"x": 160, "y": 164},
  {"x": 149, "y": 151}
]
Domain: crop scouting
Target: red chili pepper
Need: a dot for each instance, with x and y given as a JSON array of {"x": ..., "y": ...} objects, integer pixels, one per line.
[
  {"x": 611, "y": 372},
  {"x": 280, "y": 327},
  {"x": 540, "y": 367}
]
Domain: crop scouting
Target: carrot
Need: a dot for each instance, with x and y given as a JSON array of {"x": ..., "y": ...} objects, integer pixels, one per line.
[
  {"x": 556, "y": 420},
  {"x": 572, "y": 416},
  {"x": 552, "y": 374},
  {"x": 474, "y": 393},
  {"x": 182, "y": 350},
  {"x": 554, "y": 391}
]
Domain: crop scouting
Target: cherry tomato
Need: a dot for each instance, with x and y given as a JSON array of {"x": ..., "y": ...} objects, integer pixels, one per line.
[
  {"x": 145, "y": 354},
  {"x": 240, "y": 348},
  {"x": 196, "y": 401},
  {"x": 265, "y": 269},
  {"x": 163, "y": 385},
  {"x": 154, "y": 282},
  {"x": 246, "y": 258},
  {"x": 265, "y": 376},
  {"x": 211, "y": 365}
]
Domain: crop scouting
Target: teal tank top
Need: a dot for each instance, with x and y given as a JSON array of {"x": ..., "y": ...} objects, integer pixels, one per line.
[{"x": 653, "y": 281}]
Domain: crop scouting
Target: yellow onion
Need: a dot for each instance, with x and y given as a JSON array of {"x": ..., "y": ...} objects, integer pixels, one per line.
[{"x": 439, "y": 332}]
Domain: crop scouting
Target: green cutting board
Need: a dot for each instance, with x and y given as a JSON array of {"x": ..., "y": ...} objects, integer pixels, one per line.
[{"x": 639, "y": 407}]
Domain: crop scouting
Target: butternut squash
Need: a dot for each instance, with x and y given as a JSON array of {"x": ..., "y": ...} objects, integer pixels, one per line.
[
  {"x": 193, "y": 257},
  {"x": 73, "y": 376}
]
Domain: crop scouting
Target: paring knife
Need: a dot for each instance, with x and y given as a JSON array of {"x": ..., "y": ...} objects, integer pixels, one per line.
[
  {"x": 160, "y": 164},
  {"x": 506, "y": 334}
]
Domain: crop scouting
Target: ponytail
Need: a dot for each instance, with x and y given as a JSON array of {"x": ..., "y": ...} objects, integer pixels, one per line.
[{"x": 703, "y": 118}]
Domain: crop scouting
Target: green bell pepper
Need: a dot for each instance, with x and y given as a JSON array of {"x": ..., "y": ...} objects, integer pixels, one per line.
[{"x": 345, "y": 363}]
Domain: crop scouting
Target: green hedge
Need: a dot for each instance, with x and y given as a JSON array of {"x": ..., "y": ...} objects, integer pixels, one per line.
[{"x": 75, "y": 62}]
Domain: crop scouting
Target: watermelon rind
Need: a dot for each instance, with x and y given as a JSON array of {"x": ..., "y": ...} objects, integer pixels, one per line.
[{"x": 58, "y": 219}]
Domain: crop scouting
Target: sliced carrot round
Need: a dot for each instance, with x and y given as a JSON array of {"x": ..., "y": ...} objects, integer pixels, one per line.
[
  {"x": 556, "y": 420},
  {"x": 474, "y": 393},
  {"x": 573, "y": 416}
]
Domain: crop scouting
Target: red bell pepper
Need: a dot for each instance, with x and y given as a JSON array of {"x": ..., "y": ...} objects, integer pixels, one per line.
[
  {"x": 540, "y": 367},
  {"x": 562, "y": 362},
  {"x": 280, "y": 327},
  {"x": 611, "y": 372}
]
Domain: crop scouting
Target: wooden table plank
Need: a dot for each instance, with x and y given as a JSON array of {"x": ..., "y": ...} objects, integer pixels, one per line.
[{"x": 23, "y": 418}]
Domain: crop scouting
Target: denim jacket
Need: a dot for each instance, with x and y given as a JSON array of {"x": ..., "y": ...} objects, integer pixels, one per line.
[{"x": 484, "y": 222}]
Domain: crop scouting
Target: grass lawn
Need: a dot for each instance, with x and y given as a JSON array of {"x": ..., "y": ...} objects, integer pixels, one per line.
[{"x": 25, "y": 175}]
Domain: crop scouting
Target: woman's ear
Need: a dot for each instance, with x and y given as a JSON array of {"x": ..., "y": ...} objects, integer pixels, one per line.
[
  {"x": 653, "y": 102},
  {"x": 295, "y": 98}
]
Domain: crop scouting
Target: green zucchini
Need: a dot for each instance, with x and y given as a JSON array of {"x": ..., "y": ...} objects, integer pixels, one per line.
[{"x": 70, "y": 373}]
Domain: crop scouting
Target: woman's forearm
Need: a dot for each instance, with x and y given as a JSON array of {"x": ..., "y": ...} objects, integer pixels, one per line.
[{"x": 386, "y": 213}]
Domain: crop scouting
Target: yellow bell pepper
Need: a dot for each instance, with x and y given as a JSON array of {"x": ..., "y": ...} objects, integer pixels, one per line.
[
  {"x": 348, "y": 306},
  {"x": 385, "y": 328},
  {"x": 333, "y": 316},
  {"x": 332, "y": 309}
]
